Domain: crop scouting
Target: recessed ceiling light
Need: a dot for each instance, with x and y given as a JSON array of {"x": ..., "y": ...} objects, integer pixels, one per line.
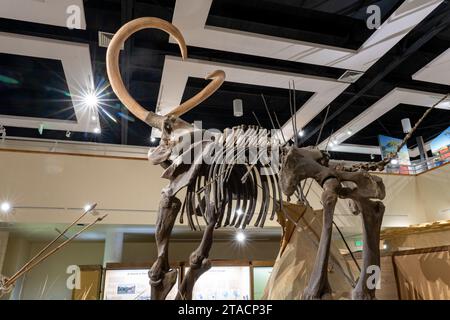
[
  {"x": 152, "y": 139},
  {"x": 238, "y": 109},
  {"x": 94, "y": 118},
  {"x": 240, "y": 236},
  {"x": 301, "y": 133},
  {"x": 349, "y": 132},
  {"x": 239, "y": 212},
  {"x": 5, "y": 206},
  {"x": 97, "y": 130}
]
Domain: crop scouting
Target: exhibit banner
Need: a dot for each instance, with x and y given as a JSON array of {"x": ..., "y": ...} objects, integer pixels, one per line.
[
  {"x": 440, "y": 146},
  {"x": 261, "y": 276},
  {"x": 223, "y": 283},
  {"x": 388, "y": 145}
]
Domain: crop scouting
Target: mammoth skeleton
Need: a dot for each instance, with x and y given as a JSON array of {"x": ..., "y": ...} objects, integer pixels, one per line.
[
  {"x": 229, "y": 192},
  {"x": 210, "y": 187}
]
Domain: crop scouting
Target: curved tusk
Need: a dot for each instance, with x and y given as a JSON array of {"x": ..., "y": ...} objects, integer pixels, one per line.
[
  {"x": 218, "y": 77},
  {"x": 112, "y": 64}
]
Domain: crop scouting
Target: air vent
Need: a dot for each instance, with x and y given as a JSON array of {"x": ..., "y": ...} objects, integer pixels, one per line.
[
  {"x": 104, "y": 38},
  {"x": 350, "y": 76}
]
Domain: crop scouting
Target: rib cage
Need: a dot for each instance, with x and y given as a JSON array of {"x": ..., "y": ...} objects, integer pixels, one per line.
[{"x": 230, "y": 192}]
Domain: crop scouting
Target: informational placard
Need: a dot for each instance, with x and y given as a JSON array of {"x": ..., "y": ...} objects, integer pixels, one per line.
[
  {"x": 261, "y": 276},
  {"x": 223, "y": 283},
  {"x": 130, "y": 285}
]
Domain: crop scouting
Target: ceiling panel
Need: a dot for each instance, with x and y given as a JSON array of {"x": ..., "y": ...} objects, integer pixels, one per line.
[
  {"x": 23, "y": 93},
  {"x": 51, "y": 12},
  {"x": 257, "y": 43}
]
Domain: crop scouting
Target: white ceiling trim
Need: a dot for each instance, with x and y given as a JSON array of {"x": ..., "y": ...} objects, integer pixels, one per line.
[
  {"x": 362, "y": 149},
  {"x": 385, "y": 104},
  {"x": 356, "y": 148},
  {"x": 51, "y": 12},
  {"x": 76, "y": 62},
  {"x": 436, "y": 71},
  {"x": 176, "y": 73},
  {"x": 190, "y": 17}
]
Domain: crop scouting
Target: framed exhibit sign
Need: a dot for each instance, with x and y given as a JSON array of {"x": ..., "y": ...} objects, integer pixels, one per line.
[
  {"x": 223, "y": 283},
  {"x": 261, "y": 276},
  {"x": 422, "y": 274},
  {"x": 130, "y": 284},
  {"x": 90, "y": 283}
]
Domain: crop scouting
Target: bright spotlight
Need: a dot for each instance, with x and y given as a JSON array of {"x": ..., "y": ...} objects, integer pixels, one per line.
[
  {"x": 87, "y": 207},
  {"x": 239, "y": 212},
  {"x": 301, "y": 133},
  {"x": 94, "y": 118},
  {"x": 240, "y": 236},
  {"x": 5, "y": 206},
  {"x": 385, "y": 246},
  {"x": 394, "y": 162},
  {"x": 335, "y": 141},
  {"x": 349, "y": 132},
  {"x": 91, "y": 100},
  {"x": 97, "y": 130},
  {"x": 152, "y": 139}
]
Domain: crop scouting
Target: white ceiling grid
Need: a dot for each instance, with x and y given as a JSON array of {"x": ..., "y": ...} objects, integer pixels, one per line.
[
  {"x": 190, "y": 17},
  {"x": 75, "y": 58}
]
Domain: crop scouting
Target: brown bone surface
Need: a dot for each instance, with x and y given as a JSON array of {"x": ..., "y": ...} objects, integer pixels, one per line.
[{"x": 337, "y": 182}]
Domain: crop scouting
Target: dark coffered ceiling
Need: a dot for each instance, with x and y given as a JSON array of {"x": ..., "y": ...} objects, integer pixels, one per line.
[{"x": 34, "y": 87}]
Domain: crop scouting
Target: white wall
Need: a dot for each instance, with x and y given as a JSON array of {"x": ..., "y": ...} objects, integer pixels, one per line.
[
  {"x": 180, "y": 251},
  {"x": 48, "y": 188},
  {"x": 48, "y": 280},
  {"x": 51, "y": 188},
  {"x": 434, "y": 193}
]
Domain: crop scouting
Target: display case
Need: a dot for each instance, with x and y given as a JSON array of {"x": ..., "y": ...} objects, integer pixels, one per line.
[
  {"x": 261, "y": 271},
  {"x": 130, "y": 282},
  {"x": 226, "y": 280},
  {"x": 232, "y": 280}
]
